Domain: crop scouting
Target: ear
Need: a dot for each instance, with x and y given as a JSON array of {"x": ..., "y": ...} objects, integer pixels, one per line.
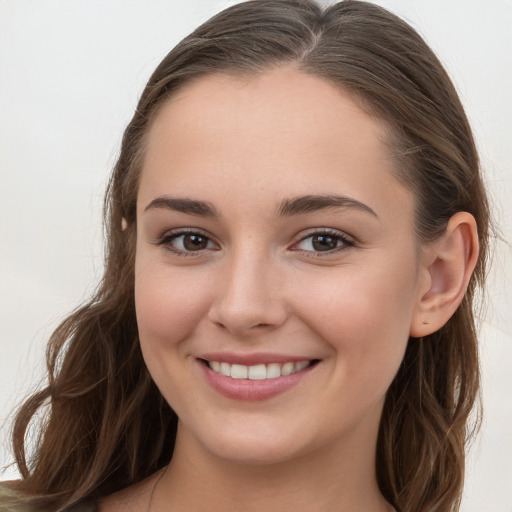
[{"x": 446, "y": 267}]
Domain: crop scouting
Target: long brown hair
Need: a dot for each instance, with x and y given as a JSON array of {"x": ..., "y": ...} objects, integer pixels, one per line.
[{"x": 104, "y": 424}]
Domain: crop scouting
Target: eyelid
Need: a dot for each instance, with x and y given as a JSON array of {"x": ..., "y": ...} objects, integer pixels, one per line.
[
  {"x": 347, "y": 240},
  {"x": 164, "y": 241}
]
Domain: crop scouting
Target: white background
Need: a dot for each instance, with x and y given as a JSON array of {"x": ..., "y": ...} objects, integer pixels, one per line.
[{"x": 70, "y": 75}]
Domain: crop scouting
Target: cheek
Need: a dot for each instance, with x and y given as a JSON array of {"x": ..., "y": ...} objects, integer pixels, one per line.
[
  {"x": 168, "y": 304},
  {"x": 365, "y": 318},
  {"x": 359, "y": 305}
]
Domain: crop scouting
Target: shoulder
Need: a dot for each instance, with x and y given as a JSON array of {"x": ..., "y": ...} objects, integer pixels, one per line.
[
  {"x": 127, "y": 500},
  {"x": 131, "y": 499},
  {"x": 88, "y": 506},
  {"x": 12, "y": 500}
]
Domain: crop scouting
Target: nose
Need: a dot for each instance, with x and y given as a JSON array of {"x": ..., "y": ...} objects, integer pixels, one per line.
[{"x": 250, "y": 298}]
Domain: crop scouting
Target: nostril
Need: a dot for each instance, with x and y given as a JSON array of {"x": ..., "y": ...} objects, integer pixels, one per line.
[{"x": 242, "y": 318}]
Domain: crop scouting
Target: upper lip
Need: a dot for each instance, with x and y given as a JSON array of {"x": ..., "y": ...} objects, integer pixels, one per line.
[{"x": 254, "y": 358}]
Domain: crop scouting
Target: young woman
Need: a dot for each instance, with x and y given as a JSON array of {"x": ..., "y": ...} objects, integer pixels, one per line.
[{"x": 296, "y": 230}]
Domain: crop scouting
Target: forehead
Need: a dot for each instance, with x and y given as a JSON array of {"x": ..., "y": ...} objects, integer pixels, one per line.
[
  {"x": 283, "y": 99},
  {"x": 281, "y": 130}
]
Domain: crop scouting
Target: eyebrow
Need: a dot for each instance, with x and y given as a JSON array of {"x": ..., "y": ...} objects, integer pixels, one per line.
[
  {"x": 313, "y": 203},
  {"x": 184, "y": 205},
  {"x": 287, "y": 207}
]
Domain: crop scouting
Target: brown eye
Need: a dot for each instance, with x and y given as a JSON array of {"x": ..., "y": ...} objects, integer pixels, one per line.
[
  {"x": 324, "y": 242},
  {"x": 194, "y": 242},
  {"x": 327, "y": 241},
  {"x": 186, "y": 243}
]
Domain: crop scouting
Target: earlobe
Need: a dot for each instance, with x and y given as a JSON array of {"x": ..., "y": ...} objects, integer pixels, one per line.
[{"x": 447, "y": 264}]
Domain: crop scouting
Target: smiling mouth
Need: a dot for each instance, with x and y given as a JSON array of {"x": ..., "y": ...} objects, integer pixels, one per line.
[{"x": 258, "y": 371}]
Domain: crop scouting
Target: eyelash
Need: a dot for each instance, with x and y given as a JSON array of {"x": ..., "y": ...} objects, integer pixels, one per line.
[
  {"x": 345, "y": 241},
  {"x": 166, "y": 241}
]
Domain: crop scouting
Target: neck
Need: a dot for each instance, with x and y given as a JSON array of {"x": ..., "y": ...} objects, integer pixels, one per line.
[{"x": 338, "y": 478}]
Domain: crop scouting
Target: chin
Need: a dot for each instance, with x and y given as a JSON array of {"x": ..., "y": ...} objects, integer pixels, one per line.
[
  {"x": 261, "y": 445},
  {"x": 254, "y": 453}
]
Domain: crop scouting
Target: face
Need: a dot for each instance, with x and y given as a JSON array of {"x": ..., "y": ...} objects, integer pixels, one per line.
[{"x": 276, "y": 265}]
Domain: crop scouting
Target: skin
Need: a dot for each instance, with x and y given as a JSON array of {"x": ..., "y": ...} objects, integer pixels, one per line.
[{"x": 244, "y": 145}]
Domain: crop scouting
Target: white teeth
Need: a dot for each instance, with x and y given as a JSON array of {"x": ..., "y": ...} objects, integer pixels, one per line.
[
  {"x": 238, "y": 371},
  {"x": 300, "y": 366},
  {"x": 258, "y": 371},
  {"x": 273, "y": 370},
  {"x": 287, "y": 369},
  {"x": 225, "y": 369}
]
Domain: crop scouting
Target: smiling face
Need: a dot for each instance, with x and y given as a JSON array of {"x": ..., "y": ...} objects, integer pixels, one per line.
[{"x": 274, "y": 244}]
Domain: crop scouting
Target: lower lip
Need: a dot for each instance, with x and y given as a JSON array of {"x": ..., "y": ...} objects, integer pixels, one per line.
[{"x": 246, "y": 389}]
